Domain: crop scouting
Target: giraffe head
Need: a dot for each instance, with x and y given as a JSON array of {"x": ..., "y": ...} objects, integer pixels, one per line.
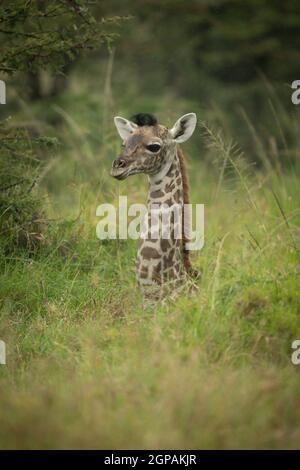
[{"x": 147, "y": 145}]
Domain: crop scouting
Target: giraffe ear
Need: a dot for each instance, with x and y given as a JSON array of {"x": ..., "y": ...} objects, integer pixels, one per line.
[
  {"x": 124, "y": 127},
  {"x": 184, "y": 128}
]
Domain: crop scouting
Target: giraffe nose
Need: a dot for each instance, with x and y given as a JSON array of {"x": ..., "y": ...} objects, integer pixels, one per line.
[{"x": 120, "y": 163}]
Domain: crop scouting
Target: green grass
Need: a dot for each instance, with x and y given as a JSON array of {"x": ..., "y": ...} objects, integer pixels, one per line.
[{"x": 89, "y": 367}]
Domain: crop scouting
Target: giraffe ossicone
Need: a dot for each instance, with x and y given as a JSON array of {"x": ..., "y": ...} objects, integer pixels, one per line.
[{"x": 153, "y": 149}]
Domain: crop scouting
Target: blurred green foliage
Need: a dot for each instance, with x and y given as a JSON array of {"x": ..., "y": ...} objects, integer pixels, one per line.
[
  {"x": 87, "y": 365},
  {"x": 36, "y": 35},
  {"x": 230, "y": 58}
]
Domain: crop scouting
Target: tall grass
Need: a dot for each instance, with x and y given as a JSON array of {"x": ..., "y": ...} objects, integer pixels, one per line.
[{"x": 88, "y": 366}]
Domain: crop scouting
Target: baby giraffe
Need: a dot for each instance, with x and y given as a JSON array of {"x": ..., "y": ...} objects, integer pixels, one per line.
[{"x": 153, "y": 149}]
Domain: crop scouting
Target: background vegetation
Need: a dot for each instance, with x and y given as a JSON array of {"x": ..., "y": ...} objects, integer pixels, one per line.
[{"x": 87, "y": 366}]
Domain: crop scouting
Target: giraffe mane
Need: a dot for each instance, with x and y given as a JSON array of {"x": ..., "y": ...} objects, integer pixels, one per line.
[
  {"x": 185, "y": 186},
  {"x": 144, "y": 119}
]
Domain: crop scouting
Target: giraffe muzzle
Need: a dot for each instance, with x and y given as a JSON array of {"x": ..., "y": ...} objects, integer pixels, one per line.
[{"x": 119, "y": 168}]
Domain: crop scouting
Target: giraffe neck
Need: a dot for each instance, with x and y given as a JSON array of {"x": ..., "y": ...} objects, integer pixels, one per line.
[
  {"x": 158, "y": 180},
  {"x": 166, "y": 186},
  {"x": 160, "y": 259}
]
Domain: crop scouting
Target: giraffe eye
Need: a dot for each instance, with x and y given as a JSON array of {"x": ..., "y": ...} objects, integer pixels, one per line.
[{"x": 154, "y": 148}]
